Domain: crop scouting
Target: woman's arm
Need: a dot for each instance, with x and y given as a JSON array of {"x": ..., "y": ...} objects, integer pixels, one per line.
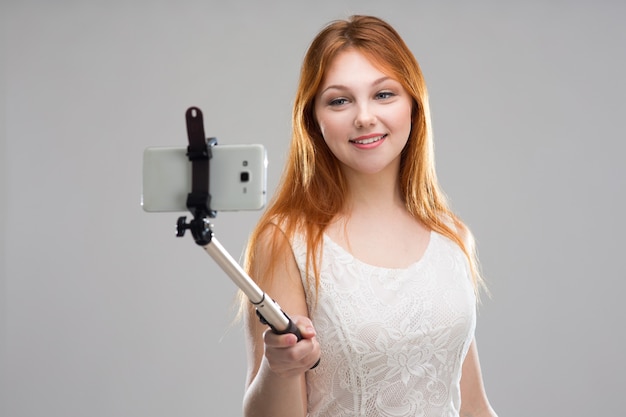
[
  {"x": 474, "y": 402},
  {"x": 275, "y": 384}
]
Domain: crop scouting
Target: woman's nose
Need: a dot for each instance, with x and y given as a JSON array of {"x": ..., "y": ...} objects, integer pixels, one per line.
[{"x": 364, "y": 117}]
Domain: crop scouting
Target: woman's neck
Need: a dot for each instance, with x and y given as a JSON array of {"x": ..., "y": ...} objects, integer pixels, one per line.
[{"x": 373, "y": 192}]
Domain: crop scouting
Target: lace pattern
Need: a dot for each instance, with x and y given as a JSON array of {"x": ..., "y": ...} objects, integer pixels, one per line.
[{"x": 393, "y": 340}]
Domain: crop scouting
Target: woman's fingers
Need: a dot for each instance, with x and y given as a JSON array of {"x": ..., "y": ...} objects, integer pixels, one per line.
[{"x": 285, "y": 355}]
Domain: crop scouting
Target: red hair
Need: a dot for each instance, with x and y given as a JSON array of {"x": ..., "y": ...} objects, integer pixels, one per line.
[{"x": 312, "y": 189}]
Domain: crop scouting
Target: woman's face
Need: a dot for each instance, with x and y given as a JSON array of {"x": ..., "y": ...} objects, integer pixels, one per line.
[{"x": 363, "y": 114}]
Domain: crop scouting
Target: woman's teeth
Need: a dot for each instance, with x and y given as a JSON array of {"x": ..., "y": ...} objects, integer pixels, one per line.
[{"x": 369, "y": 140}]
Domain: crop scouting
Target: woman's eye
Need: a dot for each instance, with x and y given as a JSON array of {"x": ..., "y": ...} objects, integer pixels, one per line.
[
  {"x": 384, "y": 95},
  {"x": 337, "y": 101}
]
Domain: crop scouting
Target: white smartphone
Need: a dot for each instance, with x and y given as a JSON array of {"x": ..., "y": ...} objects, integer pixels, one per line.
[{"x": 237, "y": 178}]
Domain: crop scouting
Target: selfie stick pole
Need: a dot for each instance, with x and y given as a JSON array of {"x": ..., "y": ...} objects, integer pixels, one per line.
[{"x": 199, "y": 203}]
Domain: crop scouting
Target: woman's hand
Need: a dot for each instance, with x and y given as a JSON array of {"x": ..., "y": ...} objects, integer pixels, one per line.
[{"x": 288, "y": 357}]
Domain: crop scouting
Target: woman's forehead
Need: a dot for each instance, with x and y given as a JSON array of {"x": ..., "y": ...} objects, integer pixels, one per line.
[{"x": 351, "y": 65}]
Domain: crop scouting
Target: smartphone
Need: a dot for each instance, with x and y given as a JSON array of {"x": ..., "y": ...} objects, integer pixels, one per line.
[{"x": 237, "y": 178}]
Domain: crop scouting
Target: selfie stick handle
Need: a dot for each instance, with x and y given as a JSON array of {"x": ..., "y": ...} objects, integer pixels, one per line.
[{"x": 268, "y": 311}]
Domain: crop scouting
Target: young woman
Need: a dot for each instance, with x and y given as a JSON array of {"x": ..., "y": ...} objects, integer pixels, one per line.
[{"x": 360, "y": 249}]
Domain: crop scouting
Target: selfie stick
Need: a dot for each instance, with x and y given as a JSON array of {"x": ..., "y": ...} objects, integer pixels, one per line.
[{"x": 199, "y": 203}]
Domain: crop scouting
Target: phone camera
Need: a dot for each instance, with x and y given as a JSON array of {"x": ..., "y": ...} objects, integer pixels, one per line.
[{"x": 244, "y": 176}]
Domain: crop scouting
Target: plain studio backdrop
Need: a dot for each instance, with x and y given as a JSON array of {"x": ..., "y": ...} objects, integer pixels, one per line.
[{"x": 105, "y": 313}]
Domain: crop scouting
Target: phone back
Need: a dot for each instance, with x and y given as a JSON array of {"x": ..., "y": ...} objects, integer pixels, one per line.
[{"x": 237, "y": 178}]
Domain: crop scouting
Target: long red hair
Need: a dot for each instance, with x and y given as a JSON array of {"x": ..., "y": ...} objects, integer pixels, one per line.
[{"x": 312, "y": 189}]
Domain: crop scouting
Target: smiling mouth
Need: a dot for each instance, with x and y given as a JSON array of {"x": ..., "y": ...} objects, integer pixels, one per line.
[{"x": 368, "y": 140}]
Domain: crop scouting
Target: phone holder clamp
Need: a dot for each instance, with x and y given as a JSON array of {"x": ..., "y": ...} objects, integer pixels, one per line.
[{"x": 199, "y": 199}]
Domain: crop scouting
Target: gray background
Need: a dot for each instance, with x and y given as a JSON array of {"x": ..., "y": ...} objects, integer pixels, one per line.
[{"x": 105, "y": 313}]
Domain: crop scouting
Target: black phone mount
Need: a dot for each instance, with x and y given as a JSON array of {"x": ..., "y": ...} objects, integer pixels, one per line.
[
  {"x": 199, "y": 199},
  {"x": 199, "y": 204}
]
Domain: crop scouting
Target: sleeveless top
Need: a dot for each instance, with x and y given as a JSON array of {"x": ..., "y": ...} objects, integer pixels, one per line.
[{"x": 392, "y": 340}]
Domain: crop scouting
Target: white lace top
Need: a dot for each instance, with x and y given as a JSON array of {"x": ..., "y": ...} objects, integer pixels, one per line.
[{"x": 393, "y": 340}]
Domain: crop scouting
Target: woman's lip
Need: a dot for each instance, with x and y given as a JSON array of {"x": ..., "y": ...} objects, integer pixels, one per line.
[
  {"x": 365, "y": 137},
  {"x": 369, "y": 141}
]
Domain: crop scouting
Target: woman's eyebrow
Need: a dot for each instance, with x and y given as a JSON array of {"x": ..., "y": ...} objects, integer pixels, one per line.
[{"x": 343, "y": 87}]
